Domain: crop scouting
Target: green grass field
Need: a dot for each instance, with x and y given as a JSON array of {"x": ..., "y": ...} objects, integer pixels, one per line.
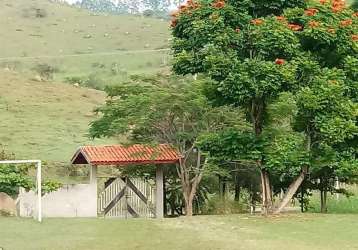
[
  {"x": 291, "y": 232},
  {"x": 78, "y": 43},
  {"x": 49, "y": 120},
  {"x": 45, "y": 120}
]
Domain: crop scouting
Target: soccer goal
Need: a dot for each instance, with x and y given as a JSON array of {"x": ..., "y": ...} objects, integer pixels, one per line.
[{"x": 38, "y": 181}]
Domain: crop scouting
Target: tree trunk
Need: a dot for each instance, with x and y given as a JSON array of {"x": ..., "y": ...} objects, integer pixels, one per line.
[
  {"x": 292, "y": 189},
  {"x": 266, "y": 193},
  {"x": 172, "y": 208},
  {"x": 257, "y": 118},
  {"x": 237, "y": 188},
  {"x": 189, "y": 208},
  {"x": 221, "y": 187},
  {"x": 324, "y": 200}
]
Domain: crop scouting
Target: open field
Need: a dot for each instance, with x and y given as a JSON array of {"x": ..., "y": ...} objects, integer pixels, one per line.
[
  {"x": 78, "y": 43},
  {"x": 296, "y": 232},
  {"x": 49, "y": 119},
  {"x": 45, "y": 120}
]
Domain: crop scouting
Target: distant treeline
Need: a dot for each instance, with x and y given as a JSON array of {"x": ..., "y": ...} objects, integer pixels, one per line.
[{"x": 158, "y": 8}]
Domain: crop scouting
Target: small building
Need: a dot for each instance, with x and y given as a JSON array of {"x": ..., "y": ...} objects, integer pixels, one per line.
[{"x": 121, "y": 197}]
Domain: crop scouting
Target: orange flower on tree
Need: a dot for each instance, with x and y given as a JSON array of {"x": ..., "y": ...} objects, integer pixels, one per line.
[
  {"x": 355, "y": 14},
  {"x": 322, "y": 1},
  {"x": 313, "y": 24},
  {"x": 257, "y": 21},
  {"x": 218, "y": 4},
  {"x": 192, "y": 4},
  {"x": 174, "y": 23},
  {"x": 295, "y": 27},
  {"x": 311, "y": 12},
  {"x": 183, "y": 7},
  {"x": 280, "y": 61},
  {"x": 355, "y": 38},
  {"x": 331, "y": 30},
  {"x": 281, "y": 18},
  {"x": 338, "y": 5},
  {"x": 237, "y": 30},
  {"x": 346, "y": 23}
]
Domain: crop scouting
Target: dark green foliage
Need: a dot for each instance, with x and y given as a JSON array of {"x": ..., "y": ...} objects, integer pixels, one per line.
[
  {"x": 46, "y": 71},
  {"x": 13, "y": 177},
  {"x": 254, "y": 57}
]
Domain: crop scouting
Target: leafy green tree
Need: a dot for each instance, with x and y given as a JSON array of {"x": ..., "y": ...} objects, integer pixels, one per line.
[
  {"x": 13, "y": 177},
  {"x": 328, "y": 116},
  {"x": 165, "y": 110},
  {"x": 253, "y": 56}
]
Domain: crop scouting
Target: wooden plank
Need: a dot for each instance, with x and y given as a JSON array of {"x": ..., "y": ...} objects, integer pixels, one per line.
[
  {"x": 132, "y": 211},
  {"x": 115, "y": 201},
  {"x": 137, "y": 191},
  {"x": 131, "y": 185}
]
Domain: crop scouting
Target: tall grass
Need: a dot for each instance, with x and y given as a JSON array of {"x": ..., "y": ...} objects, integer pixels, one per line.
[{"x": 337, "y": 204}]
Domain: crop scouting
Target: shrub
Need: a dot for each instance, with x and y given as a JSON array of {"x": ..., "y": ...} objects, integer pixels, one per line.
[
  {"x": 46, "y": 71},
  {"x": 148, "y": 13},
  {"x": 34, "y": 13},
  {"x": 75, "y": 80},
  {"x": 98, "y": 65},
  {"x": 94, "y": 82},
  {"x": 4, "y": 213},
  {"x": 218, "y": 205},
  {"x": 40, "y": 13}
]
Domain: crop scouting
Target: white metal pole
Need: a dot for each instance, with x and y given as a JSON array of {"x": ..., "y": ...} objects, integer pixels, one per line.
[{"x": 39, "y": 192}]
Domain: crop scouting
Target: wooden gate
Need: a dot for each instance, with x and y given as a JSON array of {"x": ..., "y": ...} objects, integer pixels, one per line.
[{"x": 125, "y": 197}]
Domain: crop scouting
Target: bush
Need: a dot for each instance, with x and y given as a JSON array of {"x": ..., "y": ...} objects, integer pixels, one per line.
[
  {"x": 34, "y": 13},
  {"x": 98, "y": 65},
  {"x": 94, "y": 82},
  {"x": 40, "y": 13},
  {"x": 46, "y": 71},
  {"x": 148, "y": 13},
  {"x": 4, "y": 213},
  {"x": 75, "y": 80},
  {"x": 218, "y": 205}
]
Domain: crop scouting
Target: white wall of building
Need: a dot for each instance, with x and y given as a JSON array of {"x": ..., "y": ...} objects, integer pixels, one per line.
[{"x": 79, "y": 200}]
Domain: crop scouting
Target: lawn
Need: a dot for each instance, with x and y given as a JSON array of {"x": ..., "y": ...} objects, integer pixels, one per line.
[{"x": 309, "y": 231}]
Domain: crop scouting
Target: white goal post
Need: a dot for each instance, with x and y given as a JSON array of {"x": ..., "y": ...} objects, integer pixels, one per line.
[{"x": 38, "y": 181}]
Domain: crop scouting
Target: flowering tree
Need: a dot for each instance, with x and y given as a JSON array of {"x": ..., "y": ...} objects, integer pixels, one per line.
[
  {"x": 256, "y": 50},
  {"x": 165, "y": 110}
]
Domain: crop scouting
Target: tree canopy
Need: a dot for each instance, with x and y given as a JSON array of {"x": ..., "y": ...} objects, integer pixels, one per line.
[{"x": 254, "y": 51}]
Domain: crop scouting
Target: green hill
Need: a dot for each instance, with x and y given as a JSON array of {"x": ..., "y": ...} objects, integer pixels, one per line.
[
  {"x": 77, "y": 43},
  {"x": 48, "y": 119},
  {"x": 45, "y": 120}
]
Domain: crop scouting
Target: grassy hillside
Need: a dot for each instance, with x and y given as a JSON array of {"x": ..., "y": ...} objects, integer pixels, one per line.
[
  {"x": 77, "y": 43},
  {"x": 44, "y": 120}
]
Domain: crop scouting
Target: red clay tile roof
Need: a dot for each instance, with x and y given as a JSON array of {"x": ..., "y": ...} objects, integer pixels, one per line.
[{"x": 125, "y": 155}]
